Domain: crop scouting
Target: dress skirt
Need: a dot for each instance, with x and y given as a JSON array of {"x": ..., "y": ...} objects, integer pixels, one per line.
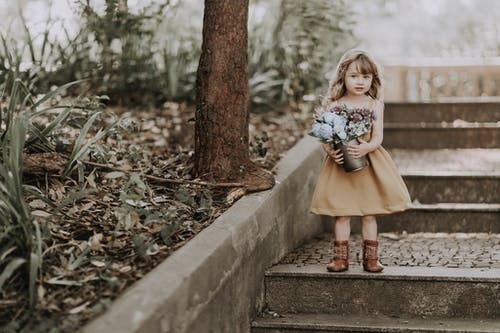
[{"x": 378, "y": 189}]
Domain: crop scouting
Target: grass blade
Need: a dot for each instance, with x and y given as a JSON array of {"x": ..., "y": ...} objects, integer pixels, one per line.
[
  {"x": 80, "y": 151},
  {"x": 10, "y": 269},
  {"x": 55, "y": 92}
]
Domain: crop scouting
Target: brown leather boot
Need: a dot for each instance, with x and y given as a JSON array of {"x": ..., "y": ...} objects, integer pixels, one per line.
[
  {"x": 340, "y": 258},
  {"x": 370, "y": 257}
]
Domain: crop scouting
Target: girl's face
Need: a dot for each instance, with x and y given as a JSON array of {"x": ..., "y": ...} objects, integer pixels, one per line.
[{"x": 356, "y": 83}]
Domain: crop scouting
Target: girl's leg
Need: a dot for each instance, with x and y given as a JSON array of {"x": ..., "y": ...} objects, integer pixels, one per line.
[
  {"x": 370, "y": 244},
  {"x": 369, "y": 227},
  {"x": 341, "y": 245},
  {"x": 342, "y": 228}
]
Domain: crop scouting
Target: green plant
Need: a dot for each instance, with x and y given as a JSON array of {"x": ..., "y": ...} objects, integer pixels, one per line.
[
  {"x": 20, "y": 234},
  {"x": 126, "y": 46},
  {"x": 141, "y": 56},
  {"x": 81, "y": 149},
  {"x": 259, "y": 144},
  {"x": 290, "y": 55},
  {"x": 34, "y": 58},
  {"x": 118, "y": 52},
  {"x": 44, "y": 119},
  {"x": 29, "y": 124}
]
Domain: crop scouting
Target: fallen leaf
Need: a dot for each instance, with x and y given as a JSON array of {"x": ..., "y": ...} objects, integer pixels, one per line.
[
  {"x": 41, "y": 292},
  {"x": 125, "y": 269},
  {"x": 91, "y": 180},
  {"x": 79, "y": 308},
  {"x": 40, "y": 213},
  {"x": 37, "y": 204},
  {"x": 63, "y": 282},
  {"x": 137, "y": 203},
  {"x": 114, "y": 175},
  {"x": 87, "y": 206},
  {"x": 95, "y": 242},
  {"x": 152, "y": 250},
  {"x": 98, "y": 263},
  {"x": 158, "y": 200}
]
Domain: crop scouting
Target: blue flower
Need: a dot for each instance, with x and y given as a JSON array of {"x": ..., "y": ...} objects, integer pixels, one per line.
[
  {"x": 340, "y": 132},
  {"x": 329, "y": 118},
  {"x": 339, "y": 121},
  {"x": 315, "y": 129},
  {"x": 325, "y": 132}
]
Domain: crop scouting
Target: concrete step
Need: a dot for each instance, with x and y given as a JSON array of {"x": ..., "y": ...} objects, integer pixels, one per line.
[
  {"x": 330, "y": 323},
  {"x": 442, "y": 217},
  {"x": 437, "y": 112},
  {"x": 441, "y": 135},
  {"x": 429, "y": 161},
  {"x": 398, "y": 291},
  {"x": 453, "y": 186}
]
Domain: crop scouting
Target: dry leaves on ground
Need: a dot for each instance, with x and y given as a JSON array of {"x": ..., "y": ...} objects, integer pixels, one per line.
[{"x": 115, "y": 226}]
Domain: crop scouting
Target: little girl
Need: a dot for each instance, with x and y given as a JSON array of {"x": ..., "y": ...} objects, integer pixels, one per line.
[{"x": 377, "y": 189}]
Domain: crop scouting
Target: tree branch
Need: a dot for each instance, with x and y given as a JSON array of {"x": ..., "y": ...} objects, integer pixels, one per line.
[{"x": 164, "y": 180}]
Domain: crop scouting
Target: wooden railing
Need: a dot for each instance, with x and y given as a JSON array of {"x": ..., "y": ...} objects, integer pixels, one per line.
[{"x": 441, "y": 79}]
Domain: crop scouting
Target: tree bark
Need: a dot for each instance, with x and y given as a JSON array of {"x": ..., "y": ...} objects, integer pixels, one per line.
[
  {"x": 222, "y": 92},
  {"x": 222, "y": 99}
]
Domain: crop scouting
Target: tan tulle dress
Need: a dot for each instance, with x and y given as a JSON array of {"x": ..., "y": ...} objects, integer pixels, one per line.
[{"x": 378, "y": 189}]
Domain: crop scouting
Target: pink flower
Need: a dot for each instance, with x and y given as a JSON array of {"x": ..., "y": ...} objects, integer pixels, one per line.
[
  {"x": 357, "y": 117},
  {"x": 338, "y": 109}
]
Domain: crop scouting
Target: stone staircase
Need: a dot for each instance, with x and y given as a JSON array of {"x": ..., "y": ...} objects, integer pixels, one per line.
[
  {"x": 442, "y": 125},
  {"x": 442, "y": 257},
  {"x": 451, "y": 168}
]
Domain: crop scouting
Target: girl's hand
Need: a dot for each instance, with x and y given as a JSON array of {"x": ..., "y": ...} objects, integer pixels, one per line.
[
  {"x": 336, "y": 155},
  {"x": 360, "y": 150}
]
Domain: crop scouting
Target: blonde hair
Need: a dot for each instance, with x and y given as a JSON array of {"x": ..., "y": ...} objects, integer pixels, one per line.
[{"x": 365, "y": 65}]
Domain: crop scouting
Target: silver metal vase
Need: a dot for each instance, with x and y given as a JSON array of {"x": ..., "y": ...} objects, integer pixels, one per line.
[{"x": 351, "y": 164}]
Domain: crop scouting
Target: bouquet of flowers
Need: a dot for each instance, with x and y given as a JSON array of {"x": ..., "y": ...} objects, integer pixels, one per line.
[{"x": 341, "y": 124}]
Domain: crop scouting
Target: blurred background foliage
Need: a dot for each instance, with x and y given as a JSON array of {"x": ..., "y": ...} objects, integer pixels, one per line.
[
  {"x": 146, "y": 52},
  {"x": 291, "y": 47}
]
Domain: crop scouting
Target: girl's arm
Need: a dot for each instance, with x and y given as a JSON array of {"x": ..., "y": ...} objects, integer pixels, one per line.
[
  {"x": 336, "y": 155},
  {"x": 378, "y": 128}
]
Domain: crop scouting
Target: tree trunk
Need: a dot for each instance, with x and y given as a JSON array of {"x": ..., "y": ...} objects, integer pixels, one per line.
[
  {"x": 222, "y": 98},
  {"x": 222, "y": 92}
]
